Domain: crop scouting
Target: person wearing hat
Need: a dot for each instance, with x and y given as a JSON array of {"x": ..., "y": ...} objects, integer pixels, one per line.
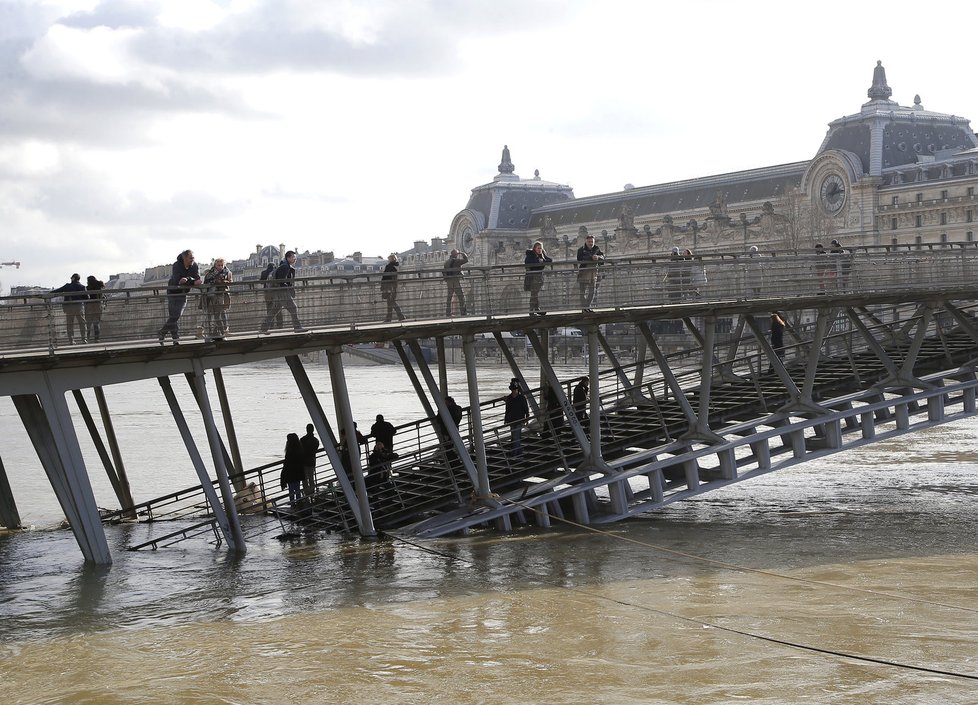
[
  {"x": 589, "y": 256},
  {"x": 284, "y": 294},
  {"x": 73, "y": 305},
  {"x": 388, "y": 289},
  {"x": 517, "y": 414}
]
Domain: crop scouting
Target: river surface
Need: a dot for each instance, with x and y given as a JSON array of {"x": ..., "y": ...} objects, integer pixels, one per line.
[{"x": 849, "y": 579}]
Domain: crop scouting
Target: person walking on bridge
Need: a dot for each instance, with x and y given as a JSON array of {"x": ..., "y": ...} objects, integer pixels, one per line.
[
  {"x": 185, "y": 274},
  {"x": 453, "y": 280},
  {"x": 269, "y": 294},
  {"x": 73, "y": 305},
  {"x": 388, "y": 289},
  {"x": 283, "y": 291},
  {"x": 589, "y": 256}
]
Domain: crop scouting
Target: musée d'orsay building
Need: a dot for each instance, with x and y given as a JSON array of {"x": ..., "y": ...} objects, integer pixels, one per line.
[{"x": 887, "y": 174}]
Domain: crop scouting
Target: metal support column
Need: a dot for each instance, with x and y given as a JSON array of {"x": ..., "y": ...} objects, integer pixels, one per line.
[
  {"x": 9, "y": 516},
  {"x": 776, "y": 363},
  {"x": 237, "y": 477},
  {"x": 550, "y": 379},
  {"x": 444, "y": 413},
  {"x": 341, "y": 400},
  {"x": 122, "y": 493},
  {"x": 88, "y": 530},
  {"x": 668, "y": 376},
  {"x": 442, "y": 366},
  {"x": 329, "y": 440},
  {"x": 217, "y": 455},
  {"x": 120, "y": 468},
  {"x": 702, "y": 429},
  {"x": 206, "y": 484},
  {"x": 475, "y": 418}
]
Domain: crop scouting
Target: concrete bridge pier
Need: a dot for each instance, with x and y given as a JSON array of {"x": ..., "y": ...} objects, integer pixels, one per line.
[
  {"x": 48, "y": 423},
  {"x": 9, "y": 516}
]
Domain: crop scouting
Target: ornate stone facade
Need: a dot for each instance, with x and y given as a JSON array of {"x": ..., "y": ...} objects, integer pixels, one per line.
[{"x": 889, "y": 174}]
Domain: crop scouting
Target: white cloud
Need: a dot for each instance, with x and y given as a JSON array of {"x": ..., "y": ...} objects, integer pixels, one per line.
[{"x": 142, "y": 128}]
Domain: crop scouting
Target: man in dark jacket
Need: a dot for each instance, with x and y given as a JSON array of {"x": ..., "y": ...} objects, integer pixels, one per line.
[
  {"x": 517, "y": 414},
  {"x": 269, "y": 294},
  {"x": 581, "y": 394},
  {"x": 283, "y": 294},
  {"x": 310, "y": 444},
  {"x": 73, "y": 306},
  {"x": 589, "y": 256},
  {"x": 185, "y": 274},
  {"x": 384, "y": 432},
  {"x": 453, "y": 280}
]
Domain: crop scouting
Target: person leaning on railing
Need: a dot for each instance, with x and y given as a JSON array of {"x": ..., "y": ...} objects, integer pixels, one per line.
[
  {"x": 184, "y": 276},
  {"x": 536, "y": 259},
  {"x": 72, "y": 305}
]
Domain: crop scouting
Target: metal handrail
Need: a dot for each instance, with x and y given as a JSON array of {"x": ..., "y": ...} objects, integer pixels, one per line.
[{"x": 34, "y": 323}]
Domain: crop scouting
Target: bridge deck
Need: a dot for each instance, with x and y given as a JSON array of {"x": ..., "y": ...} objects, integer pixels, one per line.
[{"x": 426, "y": 488}]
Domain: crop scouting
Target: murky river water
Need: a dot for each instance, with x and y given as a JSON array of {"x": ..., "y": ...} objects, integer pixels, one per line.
[{"x": 870, "y": 553}]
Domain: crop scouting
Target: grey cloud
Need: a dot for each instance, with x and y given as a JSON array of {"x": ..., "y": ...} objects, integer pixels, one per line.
[{"x": 79, "y": 198}]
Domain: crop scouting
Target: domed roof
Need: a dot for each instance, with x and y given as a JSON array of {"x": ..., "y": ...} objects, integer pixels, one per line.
[
  {"x": 508, "y": 201},
  {"x": 270, "y": 253},
  {"x": 885, "y": 134}
]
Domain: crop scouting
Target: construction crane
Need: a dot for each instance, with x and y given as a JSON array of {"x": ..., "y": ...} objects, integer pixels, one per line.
[{"x": 8, "y": 264}]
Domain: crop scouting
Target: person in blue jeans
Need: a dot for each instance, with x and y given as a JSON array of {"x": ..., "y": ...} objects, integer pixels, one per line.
[{"x": 185, "y": 275}]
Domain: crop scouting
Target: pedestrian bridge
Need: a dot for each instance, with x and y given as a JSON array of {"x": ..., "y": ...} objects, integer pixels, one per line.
[{"x": 879, "y": 343}]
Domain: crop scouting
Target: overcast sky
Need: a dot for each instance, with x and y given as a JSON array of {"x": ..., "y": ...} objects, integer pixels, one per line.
[{"x": 130, "y": 130}]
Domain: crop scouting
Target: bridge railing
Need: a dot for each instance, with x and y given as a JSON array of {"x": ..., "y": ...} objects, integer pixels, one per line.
[{"x": 136, "y": 315}]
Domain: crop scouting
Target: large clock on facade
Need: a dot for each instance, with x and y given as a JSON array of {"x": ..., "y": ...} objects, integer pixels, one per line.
[
  {"x": 832, "y": 193},
  {"x": 467, "y": 240}
]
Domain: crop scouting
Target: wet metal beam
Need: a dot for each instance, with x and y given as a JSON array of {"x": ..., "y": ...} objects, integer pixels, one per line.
[
  {"x": 206, "y": 483},
  {"x": 341, "y": 400},
  {"x": 237, "y": 477},
  {"x": 217, "y": 454},
  {"x": 121, "y": 492},
  {"x": 9, "y": 516},
  {"x": 668, "y": 376},
  {"x": 444, "y": 413},
  {"x": 120, "y": 468},
  {"x": 475, "y": 417},
  {"x": 329, "y": 440},
  {"x": 89, "y": 532}
]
